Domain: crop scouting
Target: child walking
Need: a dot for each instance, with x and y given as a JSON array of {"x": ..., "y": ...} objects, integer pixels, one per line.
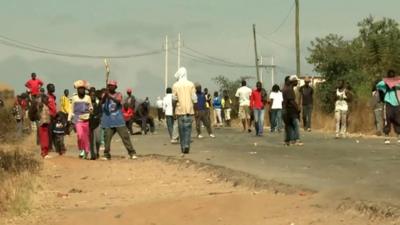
[
  {"x": 44, "y": 127},
  {"x": 59, "y": 131}
]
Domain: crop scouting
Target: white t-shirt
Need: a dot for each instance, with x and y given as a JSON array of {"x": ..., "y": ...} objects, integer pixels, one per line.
[
  {"x": 243, "y": 93},
  {"x": 341, "y": 103},
  {"x": 167, "y": 105},
  {"x": 277, "y": 98},
  {"x": 159, "y": 103}
]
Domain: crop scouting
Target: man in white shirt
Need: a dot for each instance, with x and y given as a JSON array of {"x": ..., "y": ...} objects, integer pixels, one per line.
[
  {"x": 160, "y": 112},
  {"x": 243, "y": 93},
  {"x": 168, "y": 108},
  {"x": 276, "y": 99}
]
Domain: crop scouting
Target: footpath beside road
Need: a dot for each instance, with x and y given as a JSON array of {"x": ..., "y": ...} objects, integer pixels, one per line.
[{"x": 353, "y": 168}]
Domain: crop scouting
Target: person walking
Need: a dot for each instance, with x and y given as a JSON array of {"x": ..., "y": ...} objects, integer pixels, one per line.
[
  {"x": 94, "y": 124},
  {"x": 227, "y": 107},
  {"x": 81, "y": 107},
  {"x": 377, "y": 105},
  {"x": 306, "y": 99},
  {"x": 53, "y": 111},
  {"x": 243, "y": 94},
  {"x": 276, "y": 99},
  {"x": 184, "y": 93},
  {"x": 168, "y": 109},
  {"x": 65, "y": 103},
  {"x": 201, "y": 115},
  {"x": 44, "y": 122},
  {"x": 59, "y": 131},
  {"x": 258, "y": 100},
  {"x": 291, "y": 112},
  {"x": 217, "y": 106},
  {"x": 128, "y": 117},
  {"x": 390, "y": 86},
  {"x": 160, "y": 111},
  {"x": 341, "y": 109},
  {"x": 19, "y": 117},
  {"x": 113, "y": 122}
]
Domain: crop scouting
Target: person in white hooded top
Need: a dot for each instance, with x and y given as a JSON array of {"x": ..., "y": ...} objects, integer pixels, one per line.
[
  {"x": 168, "y": 108},
  {"x": 184, "y": 92}
]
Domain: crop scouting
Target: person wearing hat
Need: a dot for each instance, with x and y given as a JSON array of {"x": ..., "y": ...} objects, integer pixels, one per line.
[
  {"x": 112, "y": 120},
  {"x": 81, "y": 107},
  {"x": 130, "y": 99},
  {"x": 306, "y": 100},
  {"x": 291, "y": 112}
]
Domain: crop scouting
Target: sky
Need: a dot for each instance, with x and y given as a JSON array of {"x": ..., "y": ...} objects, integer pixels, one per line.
[{"x": 221, "y": 29}]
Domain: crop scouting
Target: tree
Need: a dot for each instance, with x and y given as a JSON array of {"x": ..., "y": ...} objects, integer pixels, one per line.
[
  {"x": 225, "y": 84},
  {"x": 359, "y": 61}
]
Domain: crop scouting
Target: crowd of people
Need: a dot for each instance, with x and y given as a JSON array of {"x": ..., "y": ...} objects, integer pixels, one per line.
[{"x": 96, "y": 115}]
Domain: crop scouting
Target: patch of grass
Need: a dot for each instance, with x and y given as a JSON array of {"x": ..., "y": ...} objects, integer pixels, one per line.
[{"x": 17, "y": 175}]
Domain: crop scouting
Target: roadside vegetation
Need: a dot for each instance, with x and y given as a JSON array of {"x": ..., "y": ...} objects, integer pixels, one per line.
[{"x": 17, "y": 169}]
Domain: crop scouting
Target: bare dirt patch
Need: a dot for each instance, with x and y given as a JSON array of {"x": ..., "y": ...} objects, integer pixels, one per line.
[{"x": 155, "y": 191}]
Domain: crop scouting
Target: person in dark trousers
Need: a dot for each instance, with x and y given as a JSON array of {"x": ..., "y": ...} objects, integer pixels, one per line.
[
  {"x": 390, "y": 86},
  {"x": 306, "y": 99},
  {"x": 94, "y": 125},
  {"x": 200, "y": 113},
  {"x": 59, "y": 131},
  {"x": 143, "y": 118},
  {"x": 291, "y": 112},
  {"x": 113, "y": 122}
]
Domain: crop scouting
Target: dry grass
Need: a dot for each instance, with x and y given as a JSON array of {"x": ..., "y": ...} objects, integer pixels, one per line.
[{"x": 17, "y": 167}]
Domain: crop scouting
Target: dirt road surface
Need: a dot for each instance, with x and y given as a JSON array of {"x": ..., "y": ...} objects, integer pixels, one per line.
[{"x": 234, "y": 179}]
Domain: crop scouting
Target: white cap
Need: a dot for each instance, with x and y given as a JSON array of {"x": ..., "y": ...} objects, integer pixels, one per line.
[{"x": 293, "y": 78}]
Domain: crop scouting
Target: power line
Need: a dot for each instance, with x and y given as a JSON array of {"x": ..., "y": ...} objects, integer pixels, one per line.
[
  {"x": 215, "y": 59},
  {"x": 283, "y": 21},
  {"x": 33, "y": 48},
  {"x": 208, "y": 61}
]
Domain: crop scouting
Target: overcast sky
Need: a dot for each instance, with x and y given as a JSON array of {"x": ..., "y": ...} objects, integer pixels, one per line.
[{"x": 220, "y": 28}]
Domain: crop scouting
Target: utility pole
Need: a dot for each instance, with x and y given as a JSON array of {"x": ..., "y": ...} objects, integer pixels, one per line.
[
  {"x": 255, "y": 51},
  {"x": 272, "y": 71},
  {"x": 266, "y": 67},
  {"x": 166, "y": 62},
  {"x": 261, "y": 72},
  {"x": 298, "y": 72},
  {"x": 179, "y": 50}
]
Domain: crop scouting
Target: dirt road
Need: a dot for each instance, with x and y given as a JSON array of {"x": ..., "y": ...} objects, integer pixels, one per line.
[{"x": 149, "y": 191}]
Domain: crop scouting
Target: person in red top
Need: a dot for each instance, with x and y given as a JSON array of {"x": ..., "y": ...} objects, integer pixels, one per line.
[
  {"x": 34, "y": 85},
  {"x": 52, "y": 111},
  {"x": 258, "y": 99},
  {"x": 128, "y": 114}
]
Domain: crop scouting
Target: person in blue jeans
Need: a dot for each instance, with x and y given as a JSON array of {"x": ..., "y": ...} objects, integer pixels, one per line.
[
  {"x": 184, "y": 92},
  {"x": 258, "y": 100},
  {"x": 276, "y": 99}
]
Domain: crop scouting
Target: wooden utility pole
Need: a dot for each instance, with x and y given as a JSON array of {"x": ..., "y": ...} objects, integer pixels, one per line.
[
  {"x": 166, "y": 62},
  {"x": 298, "y": 72},
  {"x": 255, "y": 52},
  {"x": 179, "y": 50}
]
